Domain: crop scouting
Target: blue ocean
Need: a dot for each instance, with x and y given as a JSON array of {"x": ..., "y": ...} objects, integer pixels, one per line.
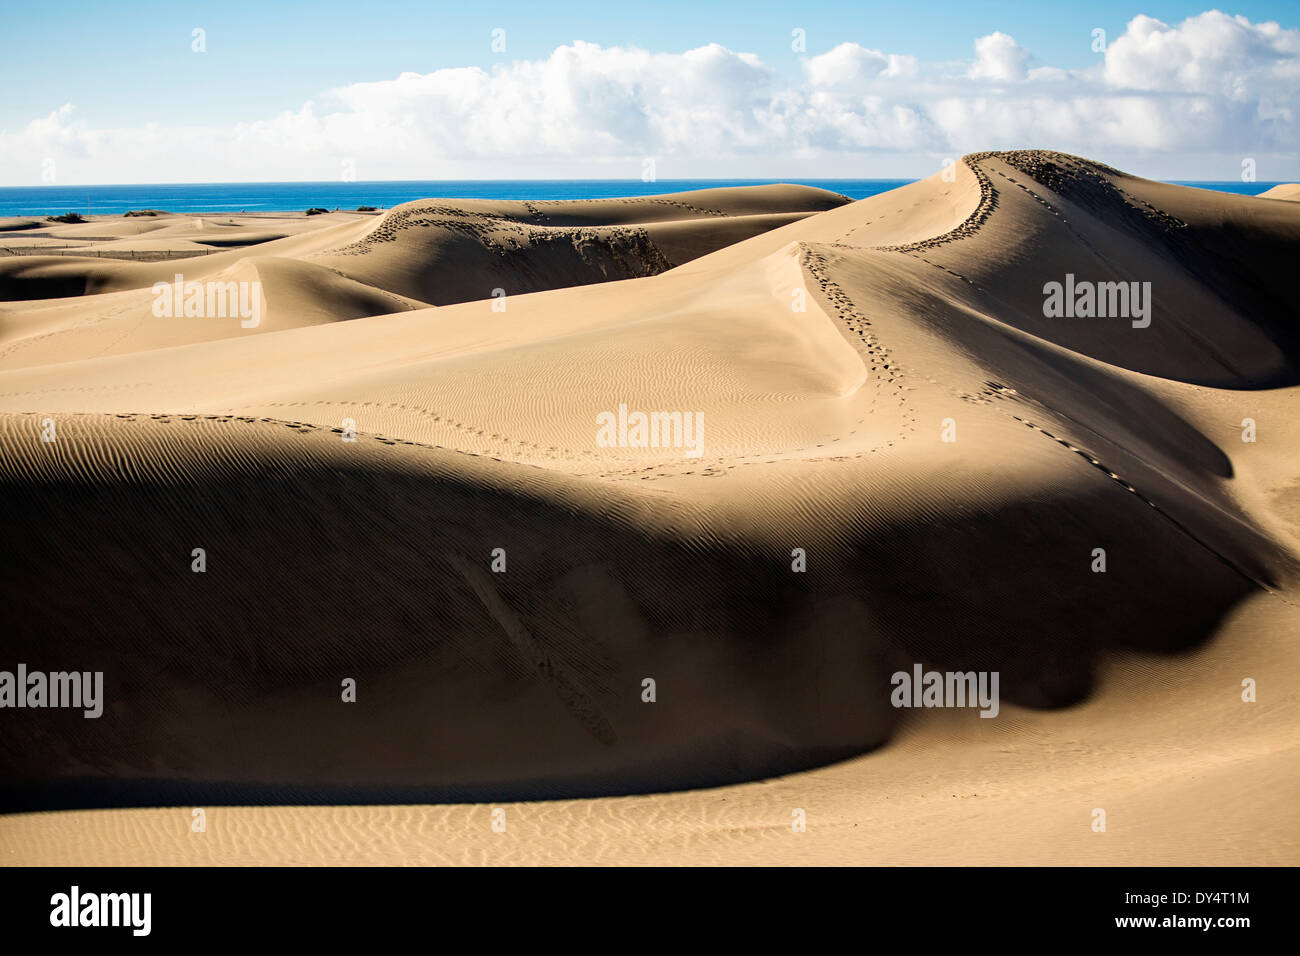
[{"x": 284, "y": 197}]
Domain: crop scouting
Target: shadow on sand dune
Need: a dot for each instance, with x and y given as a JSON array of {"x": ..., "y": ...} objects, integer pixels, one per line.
[{"x": 224, "y": 687}]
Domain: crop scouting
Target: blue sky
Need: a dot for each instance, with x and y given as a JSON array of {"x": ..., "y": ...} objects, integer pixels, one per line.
[{"x": 121, "y": 78}]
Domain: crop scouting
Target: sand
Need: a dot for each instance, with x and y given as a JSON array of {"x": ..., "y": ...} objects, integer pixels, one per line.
[
  {"x": 830, "y": 348},
  {"x": 1290, "y": 191}
]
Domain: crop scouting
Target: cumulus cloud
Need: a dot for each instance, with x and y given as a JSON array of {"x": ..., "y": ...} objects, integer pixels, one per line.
[
  {"x": 1213, "y": 86},
  {"x": 851, "y": 63},
  {"x": 582, "y": 100},
  {"x": 1212, "y": 53},
  {"x": 999, "y": 57}
]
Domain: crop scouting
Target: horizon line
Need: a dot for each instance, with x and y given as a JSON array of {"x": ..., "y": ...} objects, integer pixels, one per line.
[
  {"x": 396, "y": 182},
  {"x": 715, "y": 179}
]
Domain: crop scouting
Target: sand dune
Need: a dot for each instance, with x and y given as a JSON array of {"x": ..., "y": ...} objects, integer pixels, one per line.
[
  {"x": 344, "y": 266},
  {"x": 830, "y": 349},
  {"x": 1289, "y": 191},
  {"x": 18, "y": 224}
]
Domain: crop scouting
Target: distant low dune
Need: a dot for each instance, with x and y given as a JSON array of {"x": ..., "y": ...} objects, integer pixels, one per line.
[
  {"x": 1289, "y": 191},
  {"x": 419, "y": 254},
  {"x": 18, "y": 225}
]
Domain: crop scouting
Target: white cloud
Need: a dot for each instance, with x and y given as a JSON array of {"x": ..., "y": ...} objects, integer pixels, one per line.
[
  {"x": 851, "y": 63},
  {"x": 999, "y": 57},
  {"x": 1211, "y": 53},
  {"x": 1207, "y": 91}
]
